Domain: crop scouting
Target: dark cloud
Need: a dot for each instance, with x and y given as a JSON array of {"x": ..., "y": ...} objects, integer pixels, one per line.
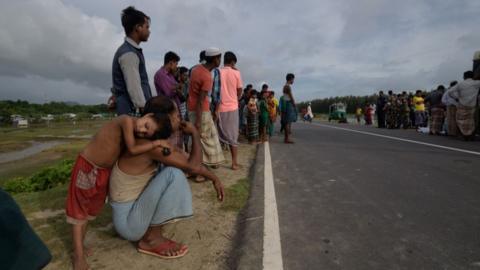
[{"x": 336, "y": 47}]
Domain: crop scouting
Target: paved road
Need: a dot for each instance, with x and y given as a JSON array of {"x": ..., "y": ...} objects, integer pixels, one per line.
[{"x": 350, "y": 200}]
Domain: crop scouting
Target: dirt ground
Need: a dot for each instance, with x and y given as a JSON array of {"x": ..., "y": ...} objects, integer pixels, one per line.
[{"x": 209, "y": 234}]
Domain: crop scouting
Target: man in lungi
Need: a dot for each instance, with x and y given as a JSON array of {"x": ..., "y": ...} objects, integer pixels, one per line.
[
  {"x": 227, "y": 111},
  {"x": 437, "y": 109},
  {"x": 198, "y": 105},
  {"x": 466, "y": 94},
  {"x": 451, "y": 121}
]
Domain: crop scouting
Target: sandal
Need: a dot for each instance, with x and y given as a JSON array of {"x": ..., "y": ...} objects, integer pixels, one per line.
[{"x": 163, "y": 247}]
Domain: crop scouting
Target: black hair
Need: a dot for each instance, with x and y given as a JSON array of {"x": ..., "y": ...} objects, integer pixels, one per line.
[
  {"x": 390, "y": 92},
  {"x": 418, "y": 91},
  {"x": 161, "y": 107},
  {"x": 264, "y": 86},
  {"x": 170, "y": 56},
  {"x": 381, "y": 92},
  {"x": 253, "y": 93},
  {"x": 229, "y": 58},
  {"x": 453, "y": 83},
  {"x": 209, "y": 59},
  {"x": 272, "y": 93},
  {"x": 262, "y": 93},
  {"x": 182, "y": 70},
  {"x": 201, "y": 56},
  {"x": 441, "y": 87},
  {"x": 468, "y": 74},
  {"x": 249, "y": 86},
  {"x": 131, "y": 18},
  {"x": 290, "y": 76}
]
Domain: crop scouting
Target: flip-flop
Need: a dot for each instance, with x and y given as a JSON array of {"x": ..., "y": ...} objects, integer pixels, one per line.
[{"x": 167, "y": 245}]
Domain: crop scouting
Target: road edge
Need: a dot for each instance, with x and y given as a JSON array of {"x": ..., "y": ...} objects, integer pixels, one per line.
[{"x": 247, "y": 250}]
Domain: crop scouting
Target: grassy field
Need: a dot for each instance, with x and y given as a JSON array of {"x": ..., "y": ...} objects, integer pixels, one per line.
[
  {"x": 73, "y": 138},
  {"x": 45, "y": 209}
]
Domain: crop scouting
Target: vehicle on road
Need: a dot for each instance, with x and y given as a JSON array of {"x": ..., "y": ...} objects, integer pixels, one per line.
[{"x": 337, "y": 111}]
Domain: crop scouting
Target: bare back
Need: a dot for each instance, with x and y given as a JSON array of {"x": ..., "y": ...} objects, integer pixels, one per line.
[{"x": 105, "y": 147}]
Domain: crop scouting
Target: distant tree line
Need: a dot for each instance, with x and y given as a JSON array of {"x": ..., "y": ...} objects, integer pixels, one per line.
[
  {"x": 32, "y": 110},
  {"x": 322, "y": 105}
]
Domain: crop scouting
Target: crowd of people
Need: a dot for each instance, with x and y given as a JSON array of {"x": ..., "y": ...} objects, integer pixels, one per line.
[
  {"x": 448, "y": 111},
  {"x": 141, "y": 159}
]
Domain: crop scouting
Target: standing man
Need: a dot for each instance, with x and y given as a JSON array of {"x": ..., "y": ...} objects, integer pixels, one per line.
[
  {"x": 167, "y": 85},
  {"x": 228, "y": 117},
  {"x": 466, "y": 95},
  {"x": 198, "y": 104},
  {"x": 288, "y": 108},
  {"x": 129, "y": 75},
  {"x": 381, "y": 102},
  {"x": 451, "y": 122},
  {"x": 419, "y": 103}
]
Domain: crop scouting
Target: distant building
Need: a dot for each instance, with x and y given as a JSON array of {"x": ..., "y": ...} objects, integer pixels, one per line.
[
  {"x": 70, "y": 115},
  {"x": 49, "y": 117}
]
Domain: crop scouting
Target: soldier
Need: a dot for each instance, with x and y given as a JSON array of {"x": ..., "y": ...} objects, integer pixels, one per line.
[
  {"x": 404, "y": 111},
  {"x": 391, "y": 110}
]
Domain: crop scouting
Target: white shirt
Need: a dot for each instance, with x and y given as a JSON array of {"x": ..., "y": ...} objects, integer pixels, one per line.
[{"x": 466, "y": 92}]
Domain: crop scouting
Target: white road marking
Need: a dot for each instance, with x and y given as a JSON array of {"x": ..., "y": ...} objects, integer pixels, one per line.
[
  {"x": 272, "y": 248},
  {"x": 401, "y": 139}
]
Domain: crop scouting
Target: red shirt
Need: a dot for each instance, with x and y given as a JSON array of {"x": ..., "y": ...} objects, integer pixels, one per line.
[{"x": 200, "y": 81}]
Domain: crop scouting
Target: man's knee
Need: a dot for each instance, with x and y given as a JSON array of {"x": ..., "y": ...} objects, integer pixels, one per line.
[{"x": 173, "y": 174}]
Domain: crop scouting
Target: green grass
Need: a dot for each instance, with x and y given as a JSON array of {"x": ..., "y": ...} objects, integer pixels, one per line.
[
  {"x": 54, "y": 230},
  {"x": 236, "y": 196}
]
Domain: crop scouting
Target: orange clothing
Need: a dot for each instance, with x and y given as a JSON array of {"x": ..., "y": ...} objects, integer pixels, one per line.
[{"x": 200, "y": 81}]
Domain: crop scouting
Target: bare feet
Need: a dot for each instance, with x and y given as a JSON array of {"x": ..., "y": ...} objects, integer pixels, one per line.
[
  {"x": 236, "y": 167},
  {"x": 79, "y": 263},
  {"x": 88, "y": 251}
]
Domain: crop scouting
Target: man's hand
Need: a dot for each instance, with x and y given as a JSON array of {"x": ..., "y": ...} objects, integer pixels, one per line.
[
  {"x": 161, "y": 143},
  {"x": 215, "y": 115},
  {"x": 218, "y": 188},
  {"x": 187, "y": 127},
  {"x": 198, "y": 125}
]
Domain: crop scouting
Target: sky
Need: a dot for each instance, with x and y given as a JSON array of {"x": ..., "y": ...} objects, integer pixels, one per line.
[{"x": 53, "y": 50}]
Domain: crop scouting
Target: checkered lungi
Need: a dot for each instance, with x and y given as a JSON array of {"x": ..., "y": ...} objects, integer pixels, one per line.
[{"x": 211, "y": 148}]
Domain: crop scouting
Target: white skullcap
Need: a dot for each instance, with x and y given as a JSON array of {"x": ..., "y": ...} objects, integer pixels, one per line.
[
  {"x": 212, "y": 51},
  {"x": 476, "y": 56}
]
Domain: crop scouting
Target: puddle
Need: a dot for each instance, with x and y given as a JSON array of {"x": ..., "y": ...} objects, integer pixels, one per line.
[{"x": 35, "y": 148}]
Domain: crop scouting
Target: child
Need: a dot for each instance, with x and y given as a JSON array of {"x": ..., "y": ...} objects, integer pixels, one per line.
[
  {"x": 263, "y": 115},
  {"x": 90, "y": 174},
  {"x": 252, "y": 118},
  {"x": 272, "y": 112}
]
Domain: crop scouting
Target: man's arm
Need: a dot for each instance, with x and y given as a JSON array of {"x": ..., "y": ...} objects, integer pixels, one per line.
[
  {"x": 135, "y": 147},
  {"x": 193, "y": 164},
  {"x": 239, "y": 85},
  {"x": 129, "y": 64},
  {"x": 453, "y": 92},
  {"x": 198, "y": 109}
]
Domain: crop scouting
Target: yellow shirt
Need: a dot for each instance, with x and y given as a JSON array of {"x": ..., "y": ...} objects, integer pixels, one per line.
[
  {"x": 419, "y": 103},
  {"x": 359, "y": 111}
]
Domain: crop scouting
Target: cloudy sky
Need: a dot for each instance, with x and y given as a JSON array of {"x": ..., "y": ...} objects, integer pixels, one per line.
[{"x": 52, "y": 50}]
